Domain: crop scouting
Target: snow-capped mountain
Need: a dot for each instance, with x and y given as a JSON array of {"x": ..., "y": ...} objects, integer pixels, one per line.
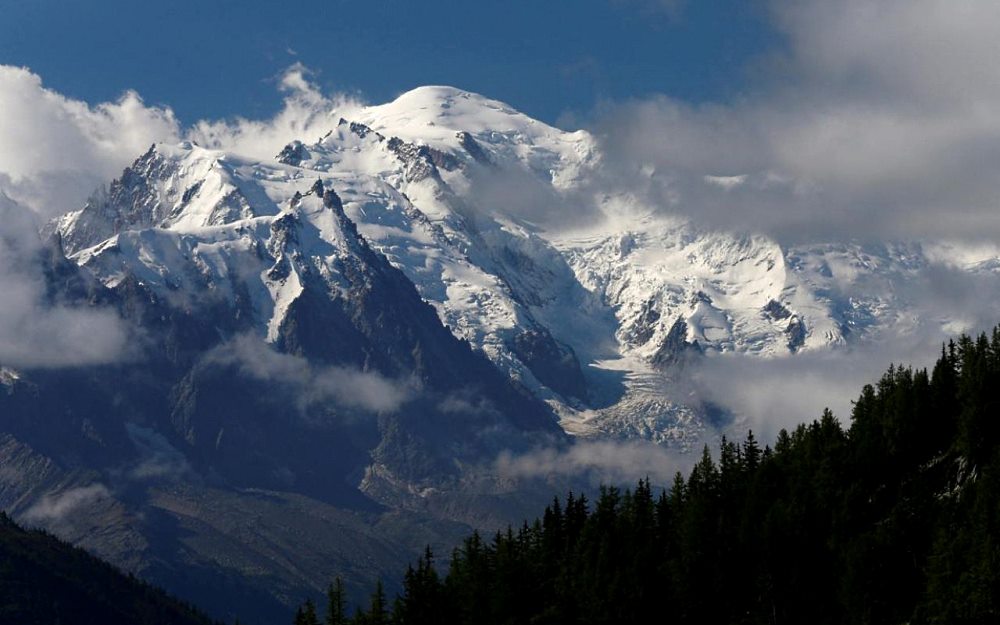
[
  {"x": 588, "y": 313},
  {"x": 360, "y": 327},
  {"x": 587, "y": 316}
]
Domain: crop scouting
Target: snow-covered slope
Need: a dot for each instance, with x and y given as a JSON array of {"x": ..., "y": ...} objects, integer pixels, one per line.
[{"x": 474, "y": 202}]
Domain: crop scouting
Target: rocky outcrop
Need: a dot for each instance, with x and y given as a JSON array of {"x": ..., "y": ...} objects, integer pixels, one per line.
[
  {"x": 554, "y": 364},
  {"x": 476, "y": 151},
  {"x": 293, "y": 154},
  {"x": 796, "y": 333},
  {"x": 420, "y": 161},
  {"x": 776, "y": 311},
  {"x": 676, "y": 349}
]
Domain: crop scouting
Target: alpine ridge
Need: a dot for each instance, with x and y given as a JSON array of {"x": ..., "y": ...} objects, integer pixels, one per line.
[
  {"x": 329, "y": 350},
  {"x": 485, "y": 212}
]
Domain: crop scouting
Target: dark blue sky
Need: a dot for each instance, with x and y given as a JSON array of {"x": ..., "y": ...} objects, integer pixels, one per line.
[{"x": 219, "y": 58}]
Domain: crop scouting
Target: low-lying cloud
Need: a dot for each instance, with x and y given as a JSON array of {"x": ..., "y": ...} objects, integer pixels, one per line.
[
  {"x": 313, "y": 384},
  {"x": 158, "y": 459},
  {"x": 34, "y": 330},
  {"x": 57, "y": 507},
  {"x": 598, "y": 461},
  {"x": 768, "y": 394}
]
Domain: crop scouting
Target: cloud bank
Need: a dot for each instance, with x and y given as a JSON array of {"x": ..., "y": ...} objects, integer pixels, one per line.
[
  {"x": 880, "y": 118},
  {"x": 54, "y": 150},
  {"x": 602, "y": 462},
  {"x": 38, "y": 332}
]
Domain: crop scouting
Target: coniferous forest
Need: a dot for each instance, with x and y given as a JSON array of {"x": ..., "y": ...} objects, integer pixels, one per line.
[
  {"x": 893, "y": 517},
  {"x": 44, "y": 581}
]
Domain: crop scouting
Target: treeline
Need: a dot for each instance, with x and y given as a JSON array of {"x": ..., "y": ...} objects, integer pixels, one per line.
[{"x": 895, "y": 519}]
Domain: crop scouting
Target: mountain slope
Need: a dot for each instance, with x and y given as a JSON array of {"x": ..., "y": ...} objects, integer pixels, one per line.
[
  {"x": 511, "y": 230},
  {"x": 279, "y": 363},
  {"x": 354, "y": 332},
  {"x": 43, "y": 580},
  {"x": 890, "y": 520}
]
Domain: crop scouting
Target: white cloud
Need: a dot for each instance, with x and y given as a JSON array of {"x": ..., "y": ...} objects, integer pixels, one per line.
[
  {"x": 159, "y": 460},
  {"x": 37, "y": 332},
  {"x": 56, "y": 507},
  {"x": 55, "y": 150},
  {"x": 347, "y": 387},
  {"x": 882, "y": 119},
  {"x": 768, "y": 394},
  {"x": 307, "y": 115},
  {"x": 602, "y": 461}
]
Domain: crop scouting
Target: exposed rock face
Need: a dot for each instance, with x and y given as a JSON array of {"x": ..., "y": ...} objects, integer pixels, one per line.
[
  {"x": 129, "y": 202},
  {"x": 554, "y": 364},
  {"x": 796, "y": 331},
  {"x": 293, "y": 154},
  {"x": 476, "y": 151},
  {"x": 794, "y": 328},
  {"x": 420, "y": 161},
  {"x": 776, "y": 310},
  {"x": 645, "y": 324},
  {"x": 360, "y": 130},
  {"x": 160, "y": 190},
  {"x": 675, "y": 348}
]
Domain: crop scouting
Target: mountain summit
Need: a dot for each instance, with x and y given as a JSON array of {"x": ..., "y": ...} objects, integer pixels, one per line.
[
  {"x": 343, "y": 340},
  {"x": 579, "y": 292}
]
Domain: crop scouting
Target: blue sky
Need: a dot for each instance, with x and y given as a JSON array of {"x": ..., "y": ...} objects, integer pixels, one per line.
[
  {"x": 212, "y": 59},
  {"x": 837, "y": 118},
  {"x": 831, "y": 120}
]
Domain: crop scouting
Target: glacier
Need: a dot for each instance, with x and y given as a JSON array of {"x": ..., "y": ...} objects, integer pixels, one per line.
[{"x": 579, "y": 290}]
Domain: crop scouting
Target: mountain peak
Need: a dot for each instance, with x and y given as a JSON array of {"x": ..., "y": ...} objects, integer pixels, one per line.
[
  {"x": 437, "y": 113},
  {"x": 441, "y": 95}
]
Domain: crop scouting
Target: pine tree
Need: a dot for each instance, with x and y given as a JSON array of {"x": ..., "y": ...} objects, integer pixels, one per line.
[
  {"x": 309, "y": 616},
  {"x": 335, "y": 606},
  {"x": 377, "y": 613},
  {"x": 893, "y": 520}
]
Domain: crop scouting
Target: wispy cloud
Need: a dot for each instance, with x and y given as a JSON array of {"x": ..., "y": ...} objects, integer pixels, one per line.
[
  {"x": 54, "y": 150},
  {"x": 669, "y": 8},
  {"x": 36, "y": 331},
  {"x": 57, "y": 507},
  {"x": 597, "y": 461},
  {"x": 307, "y": 114},
  {"x": 348, "y": 387},
  {"x": 158, "y": 459}
]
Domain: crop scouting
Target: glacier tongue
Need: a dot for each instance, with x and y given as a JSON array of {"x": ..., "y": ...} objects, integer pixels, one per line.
[{"x": 592, "y": 317}]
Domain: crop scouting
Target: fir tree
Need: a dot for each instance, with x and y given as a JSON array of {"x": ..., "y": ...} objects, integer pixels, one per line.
[{"x": 335, "y": 606}]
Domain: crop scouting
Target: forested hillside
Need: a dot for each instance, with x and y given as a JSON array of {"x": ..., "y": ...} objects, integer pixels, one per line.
[
  {"x": 892, "y": 518},
  {"x": 44, "y": 581}
]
